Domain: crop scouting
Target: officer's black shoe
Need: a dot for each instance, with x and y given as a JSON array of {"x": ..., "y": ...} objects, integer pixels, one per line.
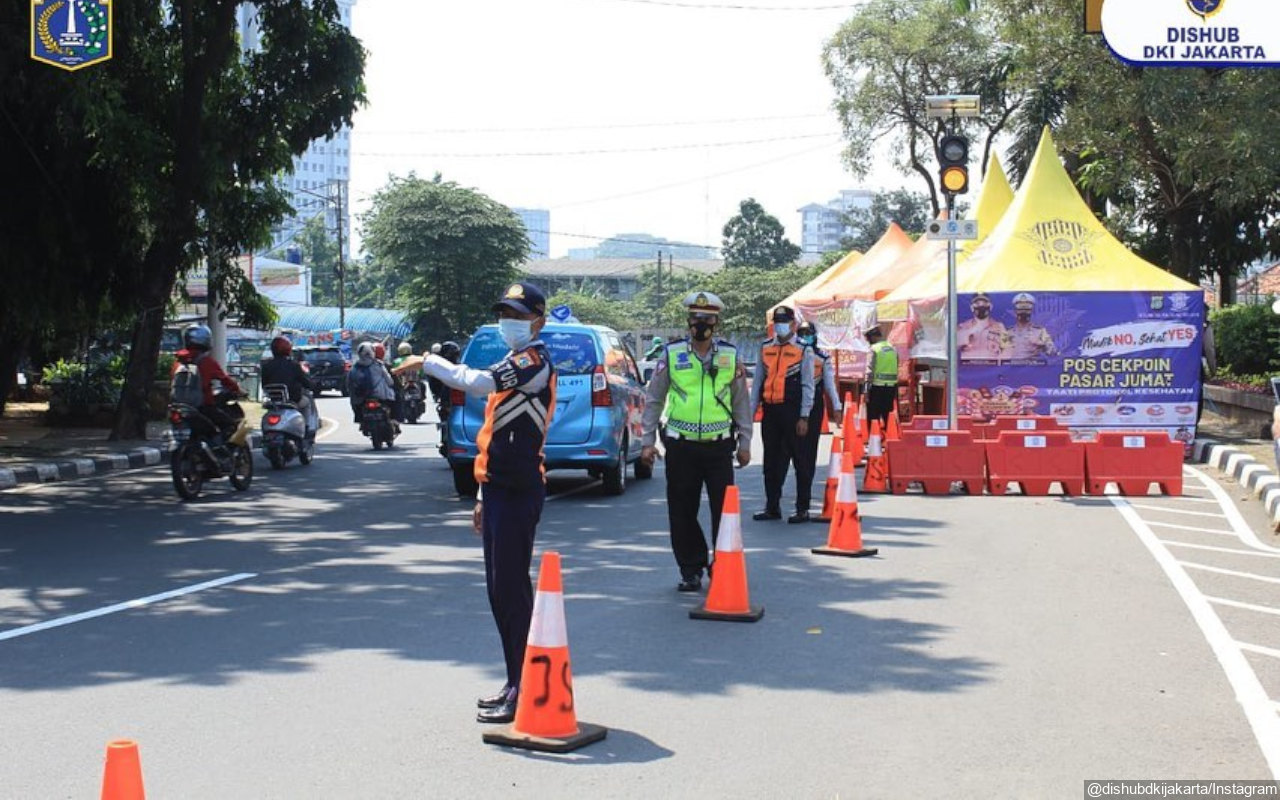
[
  {"x": 692, "y": 584},
  {"x": 799, "y": 516},
  {"x": 503, "y": 712},
  {"x": 494, "y": 700},
  {"x": 766, "y": 514}
]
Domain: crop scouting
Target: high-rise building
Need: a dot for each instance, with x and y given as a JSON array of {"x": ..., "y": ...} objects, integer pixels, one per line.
[
  {"x": 318, "y": 185},
  {"x": 537, "y": 225},
  {"x": 823, "y": 226}
]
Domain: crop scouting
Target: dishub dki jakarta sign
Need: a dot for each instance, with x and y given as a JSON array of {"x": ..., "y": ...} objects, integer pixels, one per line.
[
  {"x": 71, "y": 34},
  {"x": 1193, "y": 33}
]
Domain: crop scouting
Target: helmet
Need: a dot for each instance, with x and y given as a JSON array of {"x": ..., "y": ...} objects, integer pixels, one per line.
[
  {"x": 379, "y": 351},
  {"x": 435, "y": 349},
  {"x": 364, "y": 351},
  {"x": 198, "y": 337},
  {"x": 657, "y": 340},
  {"x": 404, "y": 349},
  {"x": 1023, "y": 299},
  {"x": 703, "y": 303},
  {"x": 807, "y": 328},
  {"x": 450, "y": 351},
  {"x": 281, "y": 347}
]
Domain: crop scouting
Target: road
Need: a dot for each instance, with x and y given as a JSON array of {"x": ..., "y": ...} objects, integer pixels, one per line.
[{"x": 997, "y": 647}]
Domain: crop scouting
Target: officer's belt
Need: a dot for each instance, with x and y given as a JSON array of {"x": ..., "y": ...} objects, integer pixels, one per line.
[{"x": 701, "y": 440}]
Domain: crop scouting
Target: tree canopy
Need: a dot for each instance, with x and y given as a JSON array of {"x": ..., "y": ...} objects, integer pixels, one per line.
[
  {"x": 909, "y": 209},
  {"x": 754, "y": 238}
]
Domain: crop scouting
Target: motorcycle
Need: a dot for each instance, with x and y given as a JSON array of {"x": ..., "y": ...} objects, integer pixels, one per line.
[
  {"x": 376, "y": 422},
  {"x": 442, "y": 427},
  {"x": 413, "y": 405},
  {"x": 286, "y": 430},
  {"x": 202, "y": 452}
]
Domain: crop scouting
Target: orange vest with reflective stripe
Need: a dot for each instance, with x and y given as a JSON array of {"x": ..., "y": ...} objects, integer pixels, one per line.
[
  {"x": 781, "y": 372},
  {"x": 516, "y": 419}
]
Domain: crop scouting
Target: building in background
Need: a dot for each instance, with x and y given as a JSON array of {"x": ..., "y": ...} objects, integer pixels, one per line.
[
  {"x": 823, "y": 226},
  {"x": 537, "y": 226},
  {"x": 615, "y": 278},
  {"x": 318, "y": 185}
]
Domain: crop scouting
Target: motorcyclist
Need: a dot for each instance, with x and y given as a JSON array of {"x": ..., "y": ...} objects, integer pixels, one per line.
[
  {"x": 655, "y": 349},
  {"x": 450, "y": 352},
  {"x": 368, "y": 378},
  {"x": 282, "y": 369},
  {"x": 197, "y": 341}
]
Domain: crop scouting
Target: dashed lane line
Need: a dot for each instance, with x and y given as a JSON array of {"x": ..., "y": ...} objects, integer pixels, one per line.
[
  {"x": 1259, "y": 649},
  {"x": 1167, "y": 510}
]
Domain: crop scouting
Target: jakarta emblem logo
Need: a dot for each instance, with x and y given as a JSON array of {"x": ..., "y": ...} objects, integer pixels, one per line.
[
  {"x": 71, "y": 34},
  {"x": 1205, "y": 8}
]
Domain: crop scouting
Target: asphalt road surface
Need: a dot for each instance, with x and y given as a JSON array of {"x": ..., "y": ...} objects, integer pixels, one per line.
[{"x": 325, "y": 634}]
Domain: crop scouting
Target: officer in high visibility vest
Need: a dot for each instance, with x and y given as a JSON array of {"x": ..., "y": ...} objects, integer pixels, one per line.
[
  {"x": 522, "y": 397},
  {"x": 703, "y": 388},
  {"x": 882, "y": 378},
  {"x": 783, "y": 383},
  {"x": 825, "y": 396}
]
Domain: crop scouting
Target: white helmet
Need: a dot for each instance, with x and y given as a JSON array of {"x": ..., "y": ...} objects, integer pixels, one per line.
[{"x": 1023, "y": 299}]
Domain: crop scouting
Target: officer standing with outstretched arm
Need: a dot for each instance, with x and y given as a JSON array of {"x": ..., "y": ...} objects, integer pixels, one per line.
[
  {"x": 703, "y": 388},
  {"x": 783, "y": 384},
  {"x": 509, "y": 468}
]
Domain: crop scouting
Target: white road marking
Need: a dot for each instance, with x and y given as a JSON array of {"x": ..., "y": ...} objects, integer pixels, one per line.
[
  {"x": 1210, "y": 547},
  {"x": 1222, "y": 601},
  {"x": 1242, "y": 528},
  {"x": 1187, "y": 499},
  {"x": 128, "y": 604},
  {"x": 1253, "y": 699},
  {"x": 326, "y": 432},
  {"x": 1180, "y": 511},
  {"x": 1190, "y": 528},
  {"x": 1259, "y": 649},
  {"x": 1233, "y": 573}
]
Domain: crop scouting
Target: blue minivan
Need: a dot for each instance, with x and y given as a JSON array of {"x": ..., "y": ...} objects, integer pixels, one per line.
[{"x": 599, "y": 405}]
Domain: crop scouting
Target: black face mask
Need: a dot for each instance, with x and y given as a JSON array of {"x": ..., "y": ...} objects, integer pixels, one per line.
[{"x": 702, "y": 330}]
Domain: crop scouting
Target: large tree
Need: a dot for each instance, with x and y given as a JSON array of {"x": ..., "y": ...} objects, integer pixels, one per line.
[
  {"x": 455, "y": 249},
  {"x": 909, "y": 209},
  {"x": 755, "y": 238}
]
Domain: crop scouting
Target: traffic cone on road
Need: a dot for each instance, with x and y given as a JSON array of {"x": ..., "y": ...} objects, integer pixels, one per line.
[
  {"x": 876, "y": 476},
  {"x": 851, "y": 428},
  {"x": 545, "y": 718},
  {"x": 894, "y": 433},
  {"x": 844, "y": 538},
  {"x": 122, "y": 777},
  {"x": 727, "y": 598},
  {"x": 833, "y": 479}
]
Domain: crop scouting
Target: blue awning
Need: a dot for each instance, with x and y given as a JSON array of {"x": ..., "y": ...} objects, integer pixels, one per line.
[{"x": 325, "y": 318}]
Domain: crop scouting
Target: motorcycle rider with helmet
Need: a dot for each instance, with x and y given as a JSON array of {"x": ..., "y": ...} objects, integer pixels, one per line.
[
  {"x": 197, "y": 341},
  {"x": 368, "y": 378},
  {"x": 282, "y": 369}
]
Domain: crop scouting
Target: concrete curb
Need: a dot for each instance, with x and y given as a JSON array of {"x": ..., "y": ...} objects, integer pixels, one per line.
[{"x": 1255, "y": 476}]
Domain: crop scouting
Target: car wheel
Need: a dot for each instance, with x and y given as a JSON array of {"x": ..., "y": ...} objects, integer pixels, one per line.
[
  {"x": 615, "y": 477},
  {"x": 464, "y": 481}
]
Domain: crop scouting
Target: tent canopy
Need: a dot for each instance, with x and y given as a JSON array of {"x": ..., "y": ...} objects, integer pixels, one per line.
[
  {"x": 813, "y": 287},
  {"x": 881, "y": 256}
]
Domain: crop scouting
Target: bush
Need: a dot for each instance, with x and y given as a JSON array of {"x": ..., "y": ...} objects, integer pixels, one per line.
[
  {"x": 164, "y": 367},
  {"x": 74, "y": 385},
  {"x": 1260, "y": 384},
  {"x": 1246, "y": 338}
]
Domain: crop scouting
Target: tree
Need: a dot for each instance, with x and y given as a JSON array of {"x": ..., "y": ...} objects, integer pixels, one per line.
[
  {"x": 320, "y": 257},
  {"x": 754, "y": 238},
  {"x": 455, "y": 249},
  {"x": 595, "y": 310},
  {"x": 909, "y": 209}
]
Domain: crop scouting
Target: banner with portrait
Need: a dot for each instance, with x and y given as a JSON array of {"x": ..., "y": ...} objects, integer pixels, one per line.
[{"x": 1095, "y": 360}]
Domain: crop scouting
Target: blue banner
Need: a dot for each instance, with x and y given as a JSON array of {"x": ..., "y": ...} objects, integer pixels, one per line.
[{"x": 1095, "y": 360}]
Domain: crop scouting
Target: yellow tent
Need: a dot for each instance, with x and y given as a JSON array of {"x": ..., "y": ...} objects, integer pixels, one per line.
[
  {"x": 1049, "y": 239},
  {"x": 927, "y": 263}
]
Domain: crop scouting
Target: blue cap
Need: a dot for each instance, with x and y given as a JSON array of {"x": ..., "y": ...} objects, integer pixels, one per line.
[{"x": 525, "y": 298}]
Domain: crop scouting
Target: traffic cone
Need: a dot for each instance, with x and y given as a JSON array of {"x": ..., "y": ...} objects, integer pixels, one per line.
[
  {"x": 876, "y": 476},
  {"x": 833, "y": 479},
  {"x": 727, "y": 598},
  {"x": 851, "y": 429},
  {"x": 845, "y": 535},
  {"x": 545, "y": 718},
  {"x": 122, "y": 777},
  {"x": 895, "y": 431}
]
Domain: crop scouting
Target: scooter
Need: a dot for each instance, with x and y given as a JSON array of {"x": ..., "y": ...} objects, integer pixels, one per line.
[
  {"x": 413, "y": 404},
  {"x": 377, "y": 424},
  {"x": 203, "y": 454},
  {"x": 286, "y": 430}
]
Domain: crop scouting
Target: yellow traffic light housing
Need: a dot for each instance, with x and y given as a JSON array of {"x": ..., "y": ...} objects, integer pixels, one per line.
[
  {"x": 955, "y": 180},
  {"x": 953, "y": 160}
]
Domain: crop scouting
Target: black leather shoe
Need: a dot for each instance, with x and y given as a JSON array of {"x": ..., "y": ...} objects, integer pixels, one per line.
[
  {"x": 503, "y": 712},
  {"x": 799, "y": 516},
  {"x": 766, "y": 514},
  {"x": 494, "y": 700},
  {"x": 689, "y": 584}
]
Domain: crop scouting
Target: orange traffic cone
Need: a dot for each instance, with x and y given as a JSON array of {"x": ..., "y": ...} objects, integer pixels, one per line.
[
  {"x": 545, "y": 718},
  {"x": 851, "y": 429},
  {"x": 122, "y": 778},
  {"x": 727, "y": 598},
  {"x": 894, "y": 433},
  {"x": 876, "y": 476},
  {"x": 845, "y": 536},
  {"x": 833, "y": 479}
]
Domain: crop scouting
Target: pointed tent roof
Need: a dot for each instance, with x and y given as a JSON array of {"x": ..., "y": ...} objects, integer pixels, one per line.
[
  {"x": 994, "y": 199},
  {"x": 879, "y": 257},
  {"x": 813, "y": 286},
  {"x": 1049, "y": 240}
]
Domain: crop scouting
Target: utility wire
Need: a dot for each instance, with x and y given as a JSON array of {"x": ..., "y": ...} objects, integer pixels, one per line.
[
  {"x": 605, "y": 151},
  {"x": 735, "y": 7},
  {"x": 596, "y": 127}
]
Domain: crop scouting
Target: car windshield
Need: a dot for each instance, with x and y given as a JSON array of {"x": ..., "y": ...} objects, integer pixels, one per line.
[{"x": 573, "y": 353}]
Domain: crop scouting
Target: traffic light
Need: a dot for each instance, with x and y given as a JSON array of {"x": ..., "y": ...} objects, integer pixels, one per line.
[{"x": 953, "y": 161}]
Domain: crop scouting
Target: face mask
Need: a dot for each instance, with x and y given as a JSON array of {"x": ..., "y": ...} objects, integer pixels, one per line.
[
  {"x": 981, "y": 312},
  {"x": 781, "y": 329},
  {"x": 701, "y": 330},
  {"x": 516, "y": 332},
  {"x": 810, "y": 340}
]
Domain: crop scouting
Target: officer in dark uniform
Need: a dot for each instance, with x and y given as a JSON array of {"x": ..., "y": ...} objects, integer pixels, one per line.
[
  {"x": 825, "y": 396},
  {"x": 509, "y": 468},
  {"x": 783, "y": 383},
  {"x": 703, "y": 388}
]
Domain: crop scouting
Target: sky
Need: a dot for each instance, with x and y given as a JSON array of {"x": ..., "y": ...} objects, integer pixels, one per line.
[{"x": 619, "y": 116}]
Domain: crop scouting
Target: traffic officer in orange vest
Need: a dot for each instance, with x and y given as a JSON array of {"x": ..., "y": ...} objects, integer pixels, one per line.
[
  {"x": 522, "y": 397},
  {"x": 825, "y": 396},
  {"x": 783, "y": 383},
  {"x": 702, "y": 386}
]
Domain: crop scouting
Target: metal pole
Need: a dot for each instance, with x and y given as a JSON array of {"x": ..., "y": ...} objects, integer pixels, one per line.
[
  {"x": 953, "y": 360},
  {"x": 342, "y": 278}
]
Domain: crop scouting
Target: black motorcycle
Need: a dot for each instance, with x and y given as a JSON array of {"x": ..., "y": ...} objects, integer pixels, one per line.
[
  {"x": 377, "y": 424},
  {"x": 413, "y": 404},
  {"x": 204, "y": 450}
]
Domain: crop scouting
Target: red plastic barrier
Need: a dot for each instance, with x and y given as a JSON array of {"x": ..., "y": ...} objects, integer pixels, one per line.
[
  {"x": 937, "y": 422},
  {"x": 1036, "y": 460},
  {"x": 929, "y": 422},
  {"x": 1133, "y": 460},
  {"x": 936, "y": 459},
  {"x": 1030, "y": 422}
]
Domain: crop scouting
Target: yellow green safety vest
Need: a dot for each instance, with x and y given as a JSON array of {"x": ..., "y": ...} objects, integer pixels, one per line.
[
  {"x": 698, "y": 404},
  {"x": 886, "y": 364}
]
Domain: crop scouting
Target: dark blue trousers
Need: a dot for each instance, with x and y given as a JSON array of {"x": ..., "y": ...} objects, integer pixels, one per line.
[{"x": 508, "y": 525}]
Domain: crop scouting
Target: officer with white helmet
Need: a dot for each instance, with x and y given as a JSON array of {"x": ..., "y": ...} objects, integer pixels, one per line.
[
  {"x": 1026, "y": 339},
  {"x": 702, "y": 385}
]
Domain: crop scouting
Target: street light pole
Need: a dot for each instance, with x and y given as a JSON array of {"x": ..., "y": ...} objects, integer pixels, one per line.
[{"x": 337, "y": 199}]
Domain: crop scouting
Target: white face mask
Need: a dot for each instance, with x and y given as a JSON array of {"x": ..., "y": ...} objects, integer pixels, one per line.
[
  {"x": 781, "y": 329},
  {"x": 516, "y": 332}
]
